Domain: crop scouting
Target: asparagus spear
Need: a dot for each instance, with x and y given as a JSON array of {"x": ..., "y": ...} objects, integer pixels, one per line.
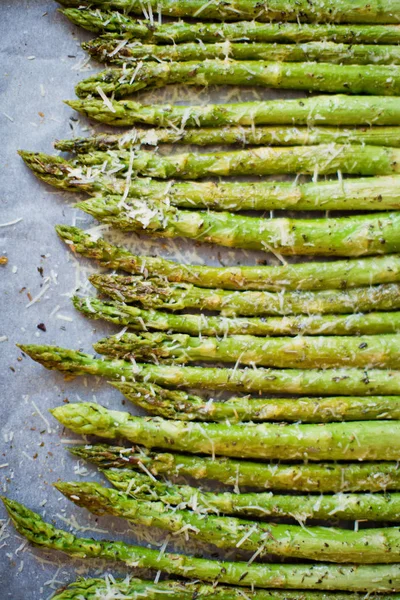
[
  {"x": 323, "y": 159},
  {"x": 307, "y": 477},
  {"x": 132, "y": 589},
  {"x": 301, "y": 276},
  {"x": 340, "y": 11},
  {"x": 157, "y": 293},
  {"x": 372, "y": 193},
  {"x": 137, "y": 318},
  {"x": 180, "y": 31},
  {"x": 318, "y": 77},
  {"x": 380, "y": 545},
  {"x": 368, "y": 440},
  {"x": 330, "y": 382},
  {"x": 318, "y": 110},
  {"x": 181, "y": 406},
  {"x": 264, "y": 136},
  {"x": 357, "y": 235},
  {"x": 363, "y": 578},
  {"x": 117, "y": 51},
  {"x": 375, "y": 507},
  {"x": 300, "y": 352}
]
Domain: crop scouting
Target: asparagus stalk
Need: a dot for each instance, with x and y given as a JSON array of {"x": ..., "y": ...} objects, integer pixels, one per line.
[
  {"x": 310, "y": 76},
  {"x": 342, "y": 11},
  {"x": 375, "y": 507},
  {"x": 157, "y": 293},
  {"x": 264, "y": 136},
  {"x": 372, "y": 193},
  {"x": 132, "y": 589},
  {"x": 323, "y": 159},
  {"x": 117, "y": 51},
  {"x": 318, "y": 110},
  {"x": 181, "y": 406},
  {"x": 307, "y": 477},
  {"x": 357, "y": 235},
  {"x": 329, "y": 382},
  {"x": 137, "y": 318},
  {"x": 362, "y": 578},
  {"x": 300, "y": 276},
  {"x": 371, "y": 546},
  {"x": 300, "y": 352},
  {"x": 179, "y": 32},
  {"x": 369, "y": 440}
]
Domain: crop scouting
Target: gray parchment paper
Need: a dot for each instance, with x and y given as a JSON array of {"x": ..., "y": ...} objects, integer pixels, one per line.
[{"x": 41, "y": 61}]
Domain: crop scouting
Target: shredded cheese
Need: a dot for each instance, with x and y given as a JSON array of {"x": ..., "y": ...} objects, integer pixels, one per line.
[{"x": 107, "y": 101}]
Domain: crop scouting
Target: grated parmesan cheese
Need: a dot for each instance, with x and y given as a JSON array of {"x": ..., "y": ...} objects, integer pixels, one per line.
[{"x": 107, "y": 101}]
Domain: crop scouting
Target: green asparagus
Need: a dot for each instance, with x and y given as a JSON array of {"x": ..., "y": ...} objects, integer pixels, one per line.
[
  {"x": 329, "y": 382},
  {"x": 264, "y": 136},
  {"x": 318, "y": 110},
  {"x": 362, "y": 578},
  {"x": 137, "y": 318},
  {"x": 317, "y": 77},
  {"x": 117, "y": 51},
  {"x": 156, "y": 293},
  {"x": 300, "y": 352},
  {"x": 180, "y": 31},
  {"x": 307, "y": 477},
  {"x": 375, "y": 507},
  {"x": 369, "y": 546},
  {"x": 359, "y": 440},
  {"x": 132, "y": 589},
  {"x": 300, "y": 276},
  {"x": 372, "y": 193},
  {"x": 357, "y": 235},
  {"x": 340, "y": 11},
  {"x": 323, "y": 159},
  {"x": 181, "y": 406}
]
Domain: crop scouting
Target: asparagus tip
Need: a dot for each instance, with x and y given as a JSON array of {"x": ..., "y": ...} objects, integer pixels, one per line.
[
  {"x": 76, "y": 450},
  {"x": 75, "y": 104},
  {"x": 24, "y": 348},
  {"x": 26, "y": 155},
  {"x": 70, "y": 234},
  {"x": 12, "y": 506}
]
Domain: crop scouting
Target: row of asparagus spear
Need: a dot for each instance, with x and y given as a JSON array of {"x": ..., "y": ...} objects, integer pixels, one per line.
[
  {"x": 145, "y": 392},
  {"x": 322, "y": 66},
  {"x": 324, "y": 11},
  {"x": 338, "y": 275},
  {"x": 367, "y": 546},
  {"x": 143, "y": 501},
  {"x": 125, "y": 39},
  {"x": 222, "y": 531},
  {"x": 248, "y": 576},
  {"x": 185, "y": 408},
  {"x": 100, "y": 500},
  {"x": 101, "y": 20},
  {"x": 373, "y": 193},
  {"x": 348, "y": 381},
  {"x": 314, "y": 66},
  {"x": 165, "y": 510},
  {"x": 357, "y": 235},
  {"x": 343, "y": 367}
]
